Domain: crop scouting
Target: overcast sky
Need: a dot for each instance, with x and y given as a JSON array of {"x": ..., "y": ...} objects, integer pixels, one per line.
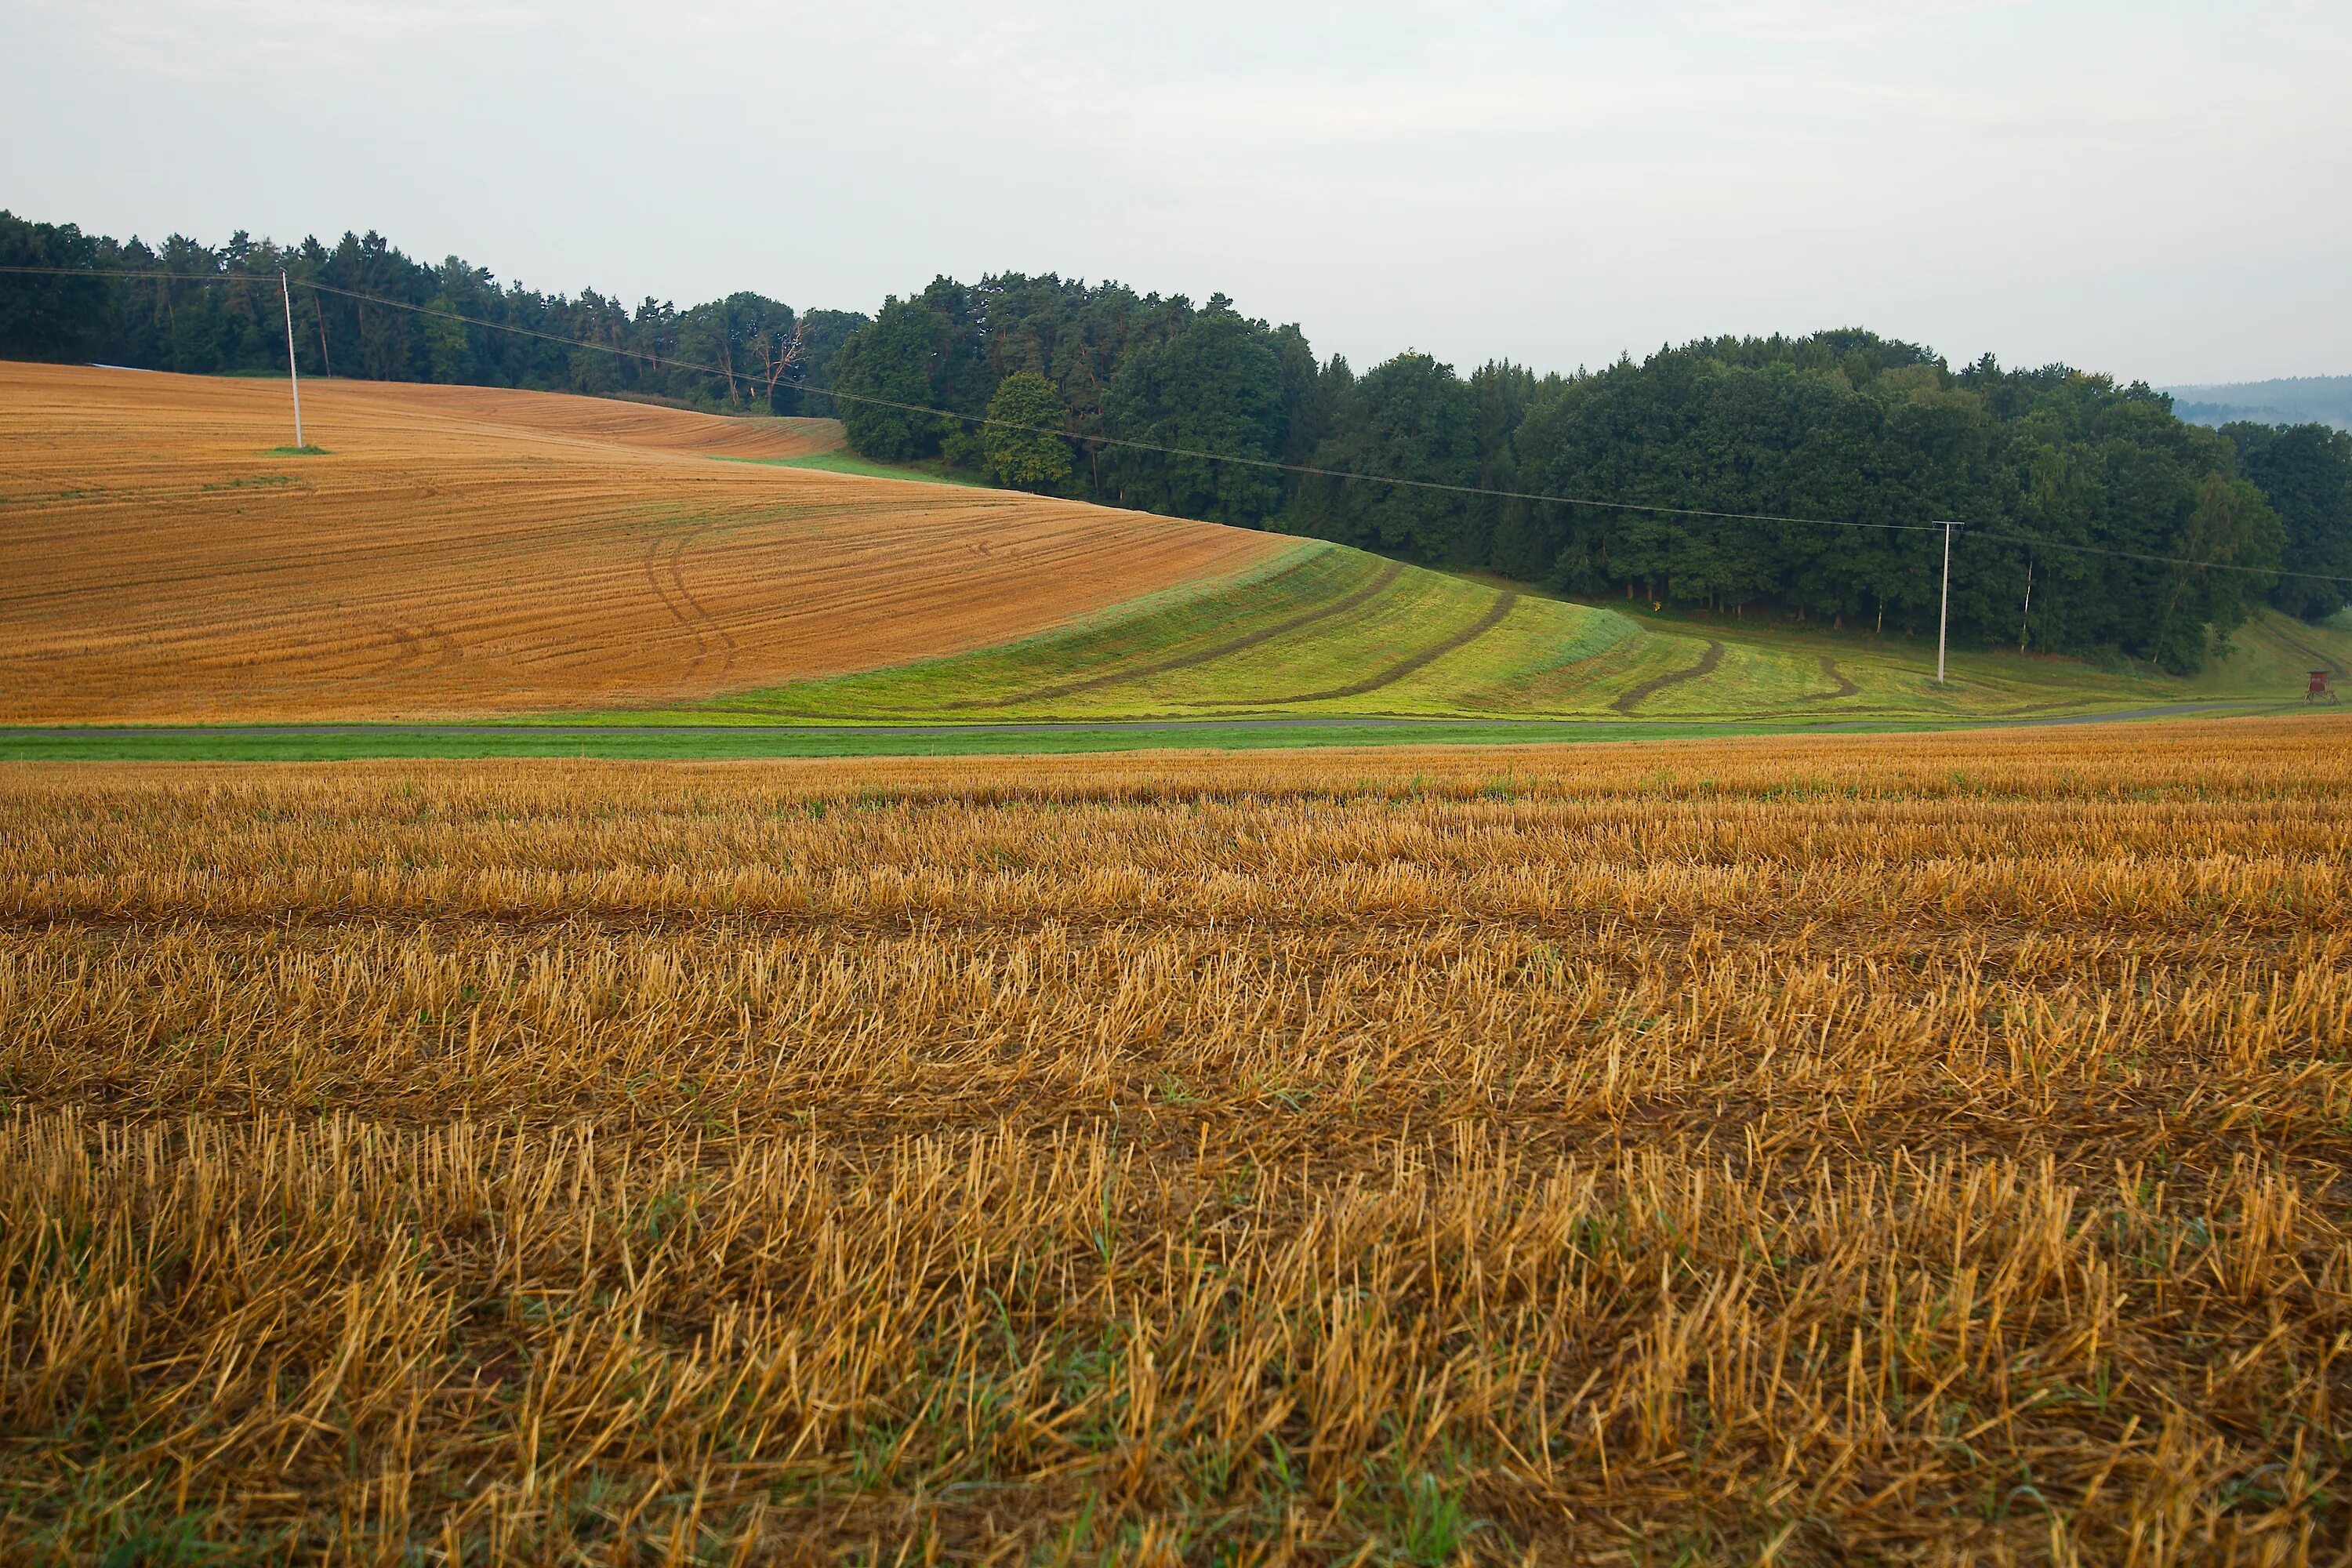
[{"x": 2159, "y": 189}]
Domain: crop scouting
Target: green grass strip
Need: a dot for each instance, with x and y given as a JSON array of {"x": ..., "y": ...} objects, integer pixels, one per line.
[
  {"x": 328, "y": 743},
  {"x": 850, "y": 463}
]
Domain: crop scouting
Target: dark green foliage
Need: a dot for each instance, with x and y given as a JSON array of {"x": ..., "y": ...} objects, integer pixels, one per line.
[
  {"x": 234, "y": 322},
  {"x": 823, "y": 334},
  {"x": 1124, "y": 366},
  {"x": 1846, "y": 427},
  {"x": 2306, "y": 472},
  {"x": 1415, "y": 418},
  {"x": 923, "y": 353},
  {"x": 50, "y": 317},
  {"x": 1215, "y": 387},
  {"x": 1021, "y": 451},
  {"x": 887, "y": 369}
]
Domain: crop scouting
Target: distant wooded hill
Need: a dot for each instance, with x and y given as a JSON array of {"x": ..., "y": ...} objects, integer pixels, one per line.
[
  {"x": 2124, "y": 528},
  {"x": 2318, "y": 399}
]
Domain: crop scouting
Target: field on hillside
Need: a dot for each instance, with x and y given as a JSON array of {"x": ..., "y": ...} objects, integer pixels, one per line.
[
  {"x": 1330, "y": 631},
  {"x": 461, "y": 552},
  {"x": 458, "y": 552},
  {"x": 1812, "y": 1150},
  {"x": 2275, "y": 652}
]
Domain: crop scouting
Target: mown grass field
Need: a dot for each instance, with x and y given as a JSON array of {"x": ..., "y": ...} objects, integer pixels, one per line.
[
  {"x": 1922, "y": 1148},
  {"x": 1323, "y": 630},
  {"x": 840, "y": 460}
]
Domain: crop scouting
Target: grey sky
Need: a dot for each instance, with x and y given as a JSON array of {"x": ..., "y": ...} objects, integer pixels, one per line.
[{"x": 2157, "y": 189}]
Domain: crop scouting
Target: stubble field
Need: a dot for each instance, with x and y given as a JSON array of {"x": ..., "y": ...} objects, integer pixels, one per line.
[
  {"x": 1806, "y": 1149},
  {"x": 461, "y": 552}
]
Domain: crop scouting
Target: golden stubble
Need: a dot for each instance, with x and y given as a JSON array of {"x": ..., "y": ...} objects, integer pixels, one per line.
[
  {"x": 1913, "y": 1147},
  {"x": 459, "y": 552}
]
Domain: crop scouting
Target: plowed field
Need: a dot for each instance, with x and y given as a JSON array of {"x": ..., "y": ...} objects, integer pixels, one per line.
[{"x": 458, "y": 552}]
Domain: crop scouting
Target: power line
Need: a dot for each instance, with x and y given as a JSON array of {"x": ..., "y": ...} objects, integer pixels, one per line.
[
  {"x": 1268, "y": 463},
  {"x": 126, "y": 272},
  {"x": 2160, "y": 559},
  {"x": 983, "y": 421}
]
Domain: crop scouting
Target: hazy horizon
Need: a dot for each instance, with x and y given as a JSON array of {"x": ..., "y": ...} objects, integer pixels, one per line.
[{"x": 2142, "y": 191}]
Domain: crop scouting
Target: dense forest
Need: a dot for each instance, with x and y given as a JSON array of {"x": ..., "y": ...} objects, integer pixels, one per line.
[
  {"x": 1841, "y": 425},
  {"x": 761, "y": 354},
  {"x": 2069, "y": 482}
]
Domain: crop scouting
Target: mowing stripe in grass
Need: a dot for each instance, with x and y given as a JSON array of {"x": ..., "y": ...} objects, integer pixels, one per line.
[
  {"x": 1503, "y": 605},
  {"x": 1378, "y": 584},
  {"x": 1629, "y": 700},
  {"x": 1845, "y": 686}
]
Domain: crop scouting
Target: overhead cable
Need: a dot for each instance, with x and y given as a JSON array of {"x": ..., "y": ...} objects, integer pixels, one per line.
[{"x": 1347, "y": 475}]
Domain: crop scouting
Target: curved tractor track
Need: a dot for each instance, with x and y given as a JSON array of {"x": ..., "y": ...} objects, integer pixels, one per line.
[
  {"x": 1503, "y": 605},
  {"x": 1629, "y": 700},
  {"x": 1242, "y": 644},
  {"x": 2319, "y": 659},
  {"x": 1829, "y": 671},
  {"x": 665, "y": 576}
]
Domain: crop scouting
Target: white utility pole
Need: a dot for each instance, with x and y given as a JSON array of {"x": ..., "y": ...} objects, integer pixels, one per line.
[
  {"x": 293, "y": 376},
  {"x": 1944, "y": 611}
]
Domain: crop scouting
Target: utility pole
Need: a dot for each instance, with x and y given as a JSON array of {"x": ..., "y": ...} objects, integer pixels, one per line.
[
  {"x": 293, "y": 376},
  {"x": 1944, "y": 611}
]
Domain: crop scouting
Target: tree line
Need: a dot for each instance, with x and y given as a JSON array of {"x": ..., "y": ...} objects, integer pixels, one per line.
[
  {"x": 743, "y": 353},
  {"x": 2083, "y": 497},
  {"x": 1052, "y": 375}
]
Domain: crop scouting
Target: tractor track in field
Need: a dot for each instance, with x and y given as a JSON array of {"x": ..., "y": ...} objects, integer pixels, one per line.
[
  {"x": 416, "y": 648},
  {"x": 1503, "y": 605},
  {"x": 2319, "y": 660},
  {"x": 1845, "y": 686},
  {"x": 666, "y": 575},
  {"x": 1634, "y": 698},
  {"x": 1339, "y": 606}
]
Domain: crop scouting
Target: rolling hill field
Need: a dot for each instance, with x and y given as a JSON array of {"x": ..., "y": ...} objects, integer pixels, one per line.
[
  {"x": 1811, "y": 1148},
  {"x": 461, "y": 552},
  {"x": 1322, "y": 630}
]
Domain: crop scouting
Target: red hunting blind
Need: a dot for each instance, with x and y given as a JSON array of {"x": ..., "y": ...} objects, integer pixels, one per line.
[{"x": 2318, "y": 688}]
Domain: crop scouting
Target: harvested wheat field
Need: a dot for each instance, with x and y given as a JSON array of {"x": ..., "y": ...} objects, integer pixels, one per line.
[
  {"x": 1921, "y": 1149},
  {"x": 458, "y": 552}
]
